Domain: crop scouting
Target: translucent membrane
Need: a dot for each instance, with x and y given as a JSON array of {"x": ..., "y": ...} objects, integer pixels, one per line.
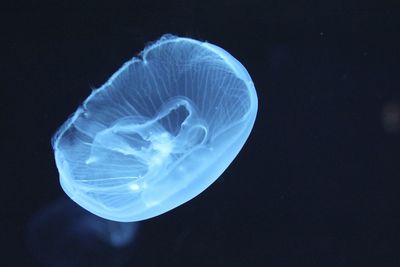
[{"x": 158, "y": 132}]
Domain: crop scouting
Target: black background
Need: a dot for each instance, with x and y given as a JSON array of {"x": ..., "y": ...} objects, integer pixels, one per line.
[{"x": 317, "y": 183}]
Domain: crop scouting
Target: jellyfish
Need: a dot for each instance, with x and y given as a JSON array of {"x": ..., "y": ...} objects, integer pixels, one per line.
[{"x": 161, "y": 130}]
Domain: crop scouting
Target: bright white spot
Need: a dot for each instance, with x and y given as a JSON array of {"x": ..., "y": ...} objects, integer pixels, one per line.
[
  {"x": 134, "y": 187},
  {"x": 163, "y": 149}
]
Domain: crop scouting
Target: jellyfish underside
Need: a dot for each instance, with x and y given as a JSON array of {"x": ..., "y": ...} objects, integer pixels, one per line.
[
  {"x": 153, "y": 151},
  {"x": 158, "y": 133}
]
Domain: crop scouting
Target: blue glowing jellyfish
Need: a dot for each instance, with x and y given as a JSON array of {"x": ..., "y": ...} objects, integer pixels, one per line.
[{"x": 158, "y": 132}]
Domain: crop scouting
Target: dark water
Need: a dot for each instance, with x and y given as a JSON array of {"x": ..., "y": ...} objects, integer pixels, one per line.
[{"x": 317, "y": 183}]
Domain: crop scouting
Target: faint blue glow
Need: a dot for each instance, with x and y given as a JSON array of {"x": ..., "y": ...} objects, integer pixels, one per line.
[
  {"x": 158, "y": 132},
  {"x": 63, "y": 234}
]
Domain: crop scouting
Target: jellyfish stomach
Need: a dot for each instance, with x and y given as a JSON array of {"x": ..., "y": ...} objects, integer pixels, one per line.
[{"x": 161, "y": 151}]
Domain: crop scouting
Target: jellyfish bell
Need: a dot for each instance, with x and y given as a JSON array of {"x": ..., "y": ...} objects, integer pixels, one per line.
[{"x": 158, "y": 132}]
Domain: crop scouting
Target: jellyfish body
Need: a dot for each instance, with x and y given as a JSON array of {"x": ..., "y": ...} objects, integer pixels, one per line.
[{"x": 158, "y": 132}]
